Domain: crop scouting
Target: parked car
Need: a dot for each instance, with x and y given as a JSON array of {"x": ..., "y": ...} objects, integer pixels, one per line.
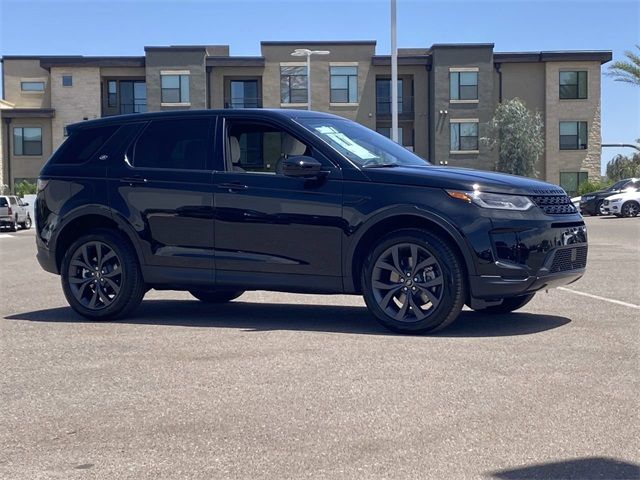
[
  {"x": 13, "y": 213},
  {"x": 622, "y": 204},
  {"x": 591, "y": 203},
  {"x": 220, "y": 202}
]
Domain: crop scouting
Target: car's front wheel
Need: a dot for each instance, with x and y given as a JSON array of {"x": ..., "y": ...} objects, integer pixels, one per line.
[
  {"x": 600, "y": 208},
  {"x": 216, "y": 296},
  {"x": 413, "y": 282},
  {"x": 630, "y": 209},
  {"x": 100, "y": 275},
  {"x": 508, "y": 304}
]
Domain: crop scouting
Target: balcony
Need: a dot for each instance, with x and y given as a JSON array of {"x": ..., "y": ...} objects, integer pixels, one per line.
[
  {"x": 243, "y": 102},
  {"x": 405, "y": 107}
]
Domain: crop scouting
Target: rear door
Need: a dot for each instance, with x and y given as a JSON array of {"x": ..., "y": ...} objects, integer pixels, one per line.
[{"x": 163, "y": 188}]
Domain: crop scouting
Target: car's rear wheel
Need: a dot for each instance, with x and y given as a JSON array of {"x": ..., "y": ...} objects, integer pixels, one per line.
[
  {"x": 216, "y": 296},
  {"x": 27, "y": 223},
  {"x": 630, "y": 209},
  {"x": 100, "y": 275},
  {"x": 14, "y": 226},
  {"x": 508, "y": 304},
  {"x": 413, "y": 282}
]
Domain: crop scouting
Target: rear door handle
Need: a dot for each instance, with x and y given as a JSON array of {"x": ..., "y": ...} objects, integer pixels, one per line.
[
  {"x": 233, "y": 187},
  {"x": 137, "y": 180}
]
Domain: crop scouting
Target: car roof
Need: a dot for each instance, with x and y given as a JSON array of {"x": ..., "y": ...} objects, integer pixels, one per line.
[{"x": 264, "y": 112}]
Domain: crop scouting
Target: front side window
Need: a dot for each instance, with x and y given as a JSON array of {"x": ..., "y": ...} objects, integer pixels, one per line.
[
  {"x": 361, "y": 145},
  {"x": 32, "y": 86},
  {"x": 293, "y": 85},
  {"x": 344, "y": 84},
  {"x": 570, "y": 181},
  {"x": 175, "y": 88},
  {"x": 463, "y": 85},
  {"x": 464, "y": 136},
  {"x": 573, "y": 85},
  {"x": 260, "y": 147},
  {"x": 173, "y": 144},
  {"x": 67, "y": 81},
  {"x": 383, "y": 96},
  {"x": 27, "y": 141},
  {"x": 112, "y": 93},
  {"x": 573, "y": 135}
]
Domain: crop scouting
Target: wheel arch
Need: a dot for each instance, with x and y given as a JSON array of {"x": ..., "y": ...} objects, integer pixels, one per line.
[{"x": 396, "y": 220}]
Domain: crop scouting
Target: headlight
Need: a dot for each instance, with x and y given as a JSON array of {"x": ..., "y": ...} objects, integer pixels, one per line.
[{"x": 497, "y": 201}]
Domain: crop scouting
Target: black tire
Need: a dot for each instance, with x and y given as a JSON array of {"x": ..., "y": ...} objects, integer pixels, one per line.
[
  {"x": 630, "y": 208},
  {"x": 598, "y": 211},
  {"x": 405, "y": 296},
  {"x": 508, "y": 305},
  {"x": 216, "y": 296},
  {"x": 26, "y": 225},
  {"x": 81, "y": 287},
  {"x": 14, "y": 226}
]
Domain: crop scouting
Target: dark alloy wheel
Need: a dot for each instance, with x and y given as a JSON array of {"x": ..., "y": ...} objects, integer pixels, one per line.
[
  {"x": 413, "y": 282},
  {"x": 508, "y": 304},
  {"x": 27, "y": 223},
  {"x": 216, "y": 296},
  {"x": 630, "y": 209},
  {"x": 100, "y": 276}
]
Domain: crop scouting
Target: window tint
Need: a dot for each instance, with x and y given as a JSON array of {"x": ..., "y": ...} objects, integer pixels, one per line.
[
  {"x": 32, "y": 86},
  {"x": 464, "y": 136},
  {"x": 67, "y": 81},
  {"x": 573, "y": 85},
  {"x": 180, "y": 143},
  {"x": 83, "y": 144},
  {"x": 570, "y": 181},
  {"x": 3, "y": 202},
  {"x": 344, "y": 84},
  {"x": 573, "y": 135}
]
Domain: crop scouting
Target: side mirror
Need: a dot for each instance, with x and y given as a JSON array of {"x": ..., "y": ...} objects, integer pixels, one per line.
[
  {"x": 301, "y": 166},
  {"x": 25, "y": 204}
]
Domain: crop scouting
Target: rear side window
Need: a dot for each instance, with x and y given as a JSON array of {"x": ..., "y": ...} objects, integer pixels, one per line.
[
  {"x": 180, "y": 144},
  {"x": 3, "y": 202},
  {"x": 83, "y": 144}
]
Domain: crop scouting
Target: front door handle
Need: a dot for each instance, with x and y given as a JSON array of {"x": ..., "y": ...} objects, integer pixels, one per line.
[
  {"x": 137, "y": 180},
  {"x": 233, "y": 186}
]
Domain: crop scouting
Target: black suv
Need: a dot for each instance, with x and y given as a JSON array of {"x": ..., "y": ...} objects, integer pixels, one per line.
[
  {"x": 592, "y": 203},
  {"x": 220, "y": 202}
]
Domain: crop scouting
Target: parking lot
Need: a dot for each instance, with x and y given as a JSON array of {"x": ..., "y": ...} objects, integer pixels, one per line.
[{"x": 300, "y": 386}]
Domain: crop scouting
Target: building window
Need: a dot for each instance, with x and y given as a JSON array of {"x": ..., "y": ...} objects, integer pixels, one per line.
[
  {"x": 67, "y": 81},
  {"x": 573, "y": 135},
  {"x": 573, "y": 85},
  {"x": 244, "y": 94},
  {"x": 383, "y": 96},
  {"x": 570, "y": 181},
  {"x": 463, "y": 85},
  {"x": 464, "y": 136},
  {"x": 112, "y": 93},
  {"x": 386, "y": 131},
  {"x": 27, "y": 141},
  {"x": 32, "y": 86},
  {"x": 175, "y": 88},
  {"x": 344, "y": 84},
  {"x": 293, "y": 84}
]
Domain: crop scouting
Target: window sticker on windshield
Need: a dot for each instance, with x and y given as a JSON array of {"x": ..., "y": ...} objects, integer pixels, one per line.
[{"x": 345, "y": 142}]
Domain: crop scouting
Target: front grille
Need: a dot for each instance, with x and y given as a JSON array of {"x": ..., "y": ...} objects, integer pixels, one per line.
[
  {"x": 554, "y": 204},
  {"x": 569, "y": 259}
]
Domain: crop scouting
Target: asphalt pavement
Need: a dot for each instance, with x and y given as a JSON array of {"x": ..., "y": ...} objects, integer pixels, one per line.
[{"x": 282, "y": 386}]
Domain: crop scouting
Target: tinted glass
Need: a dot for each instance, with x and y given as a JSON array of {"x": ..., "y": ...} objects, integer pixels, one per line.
[
  {"x": 83, "y": 144},
  {"x": 180, "y": 143},
  {"x": 3, "y": 202}
]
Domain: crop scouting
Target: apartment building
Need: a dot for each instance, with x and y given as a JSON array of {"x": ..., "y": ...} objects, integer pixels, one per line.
[{"x": 447, "y": 94}]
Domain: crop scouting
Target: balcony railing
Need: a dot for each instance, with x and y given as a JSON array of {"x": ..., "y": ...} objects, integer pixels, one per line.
[
  {"x": 383, "y": 106},
  {"x": 244, "y": 102}
]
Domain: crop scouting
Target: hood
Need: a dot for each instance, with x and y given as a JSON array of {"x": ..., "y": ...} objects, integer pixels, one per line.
[
  {"x": 462, "y": 179},
  {"x": 624, "y": 196}
]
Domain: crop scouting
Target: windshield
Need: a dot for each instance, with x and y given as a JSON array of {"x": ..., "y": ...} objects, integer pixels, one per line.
[{"x": 362, "y": 146}]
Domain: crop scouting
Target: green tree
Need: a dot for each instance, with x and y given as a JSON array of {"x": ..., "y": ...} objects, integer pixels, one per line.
[
  {"x": 517, "y": 132},
  {"x": 627, "y": 71},
  {"x": 622, "y": 166}
]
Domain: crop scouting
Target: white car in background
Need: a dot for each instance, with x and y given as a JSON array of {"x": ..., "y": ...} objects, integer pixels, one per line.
[{"x": 626, "y": 204}]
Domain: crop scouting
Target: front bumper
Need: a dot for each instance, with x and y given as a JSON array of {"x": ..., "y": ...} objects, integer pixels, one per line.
[
  {"x": 46, "y": 258},
  {"x": 589, "y": 207}
]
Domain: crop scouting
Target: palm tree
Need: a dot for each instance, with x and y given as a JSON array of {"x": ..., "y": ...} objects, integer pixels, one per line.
[{"x": 623, "y": 71}]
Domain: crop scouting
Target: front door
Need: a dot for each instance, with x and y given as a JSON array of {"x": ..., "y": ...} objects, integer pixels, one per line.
[
  {"x": 269, "y": 225},
  {"x": 162, "y": 186}
]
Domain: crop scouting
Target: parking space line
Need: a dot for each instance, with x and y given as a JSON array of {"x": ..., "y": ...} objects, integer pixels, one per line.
[
  {"x": 597, "y": 297},
  {"x": 5, "y": 235}
]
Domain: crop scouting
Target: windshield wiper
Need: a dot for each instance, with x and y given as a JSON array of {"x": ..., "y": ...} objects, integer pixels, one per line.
[{"x": 382, "y": 165}]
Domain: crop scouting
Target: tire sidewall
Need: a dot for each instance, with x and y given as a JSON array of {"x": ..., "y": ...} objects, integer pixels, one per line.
[
  {"x": 623, "y": 209},
  {"x": 450, "y": 304},
  {"x": 129, "y": 275}
]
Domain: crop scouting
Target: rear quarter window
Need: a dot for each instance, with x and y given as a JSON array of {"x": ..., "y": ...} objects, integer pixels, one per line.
[
  {"x": 83, "y": 144},
  {"x": 3, "y": 202}
]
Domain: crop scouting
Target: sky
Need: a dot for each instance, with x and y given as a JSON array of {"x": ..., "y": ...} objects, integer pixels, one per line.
[{"x": 106, "y": 27}]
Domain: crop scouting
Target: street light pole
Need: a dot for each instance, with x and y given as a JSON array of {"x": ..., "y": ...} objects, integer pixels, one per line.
[
  {"x": 394, "y": 75},
  {"x": 301, "y": 52}
]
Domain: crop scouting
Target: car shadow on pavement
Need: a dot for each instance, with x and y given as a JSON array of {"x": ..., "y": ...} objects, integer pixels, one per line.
[
  {"x": 322, "y": 318},
  {"x": 590, "y": 468}
]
